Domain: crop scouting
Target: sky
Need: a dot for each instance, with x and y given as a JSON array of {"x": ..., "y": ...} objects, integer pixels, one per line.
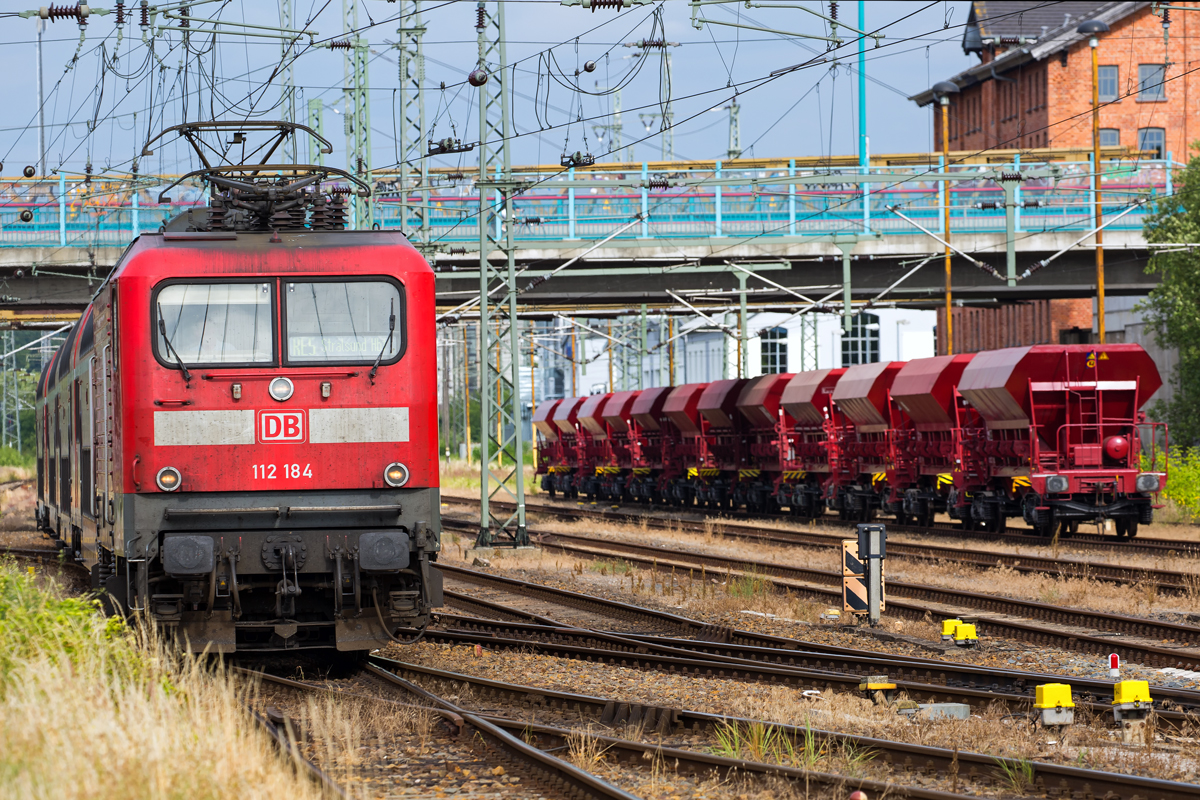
[{"x": 94, "y": 88}]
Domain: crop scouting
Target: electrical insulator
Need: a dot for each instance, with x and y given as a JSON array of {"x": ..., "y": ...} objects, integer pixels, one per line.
[
  {"x": 589, "y": 66},
  {"x": 478, "y": 77},
  {"x": 617, "y": 4},
  {"x": 833, "y": 11}
]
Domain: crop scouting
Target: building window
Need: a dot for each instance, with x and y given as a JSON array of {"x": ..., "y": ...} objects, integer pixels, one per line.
[
  {"x": 1151, "y": 85},
  {"x": 861, "y": 344},
  {"x": 1153, "y": 139},
  {"x": 1110, "y": 137},
  {"x": 1109, "y": 81},
  {"x": 774, "y": 351}
]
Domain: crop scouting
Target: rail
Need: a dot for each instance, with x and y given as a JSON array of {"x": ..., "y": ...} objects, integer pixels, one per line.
[{"x": 74, "y": 212}]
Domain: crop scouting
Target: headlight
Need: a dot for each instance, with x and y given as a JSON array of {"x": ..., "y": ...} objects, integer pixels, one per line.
[
  {"x": 396, "y": 474},
  {"x": 1148, "y": 482},
  {"x": 281, "y": 389},
  {"x": 1056, "y": 484},
  {"x": 168, "y": 479}
]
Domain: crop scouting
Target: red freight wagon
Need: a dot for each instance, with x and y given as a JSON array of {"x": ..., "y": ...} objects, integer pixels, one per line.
[
  {"x": 1062, "y": 436},
  {"x": 684, "y": 460},
  {"x": 719, "y": 456},
  {"x": 764, "y": 424},
  {"x": 858, "y": 475},
  {"x": 549, "y": 445},
  {"x": 616, "y": 413},
  {"x": 651, "y": 437},
  {"x": 925, "y": 437},
  {"x": 599, "y": 473},
  {"x": 562, "y": 476},
  {"x": 808, "y": 400}
]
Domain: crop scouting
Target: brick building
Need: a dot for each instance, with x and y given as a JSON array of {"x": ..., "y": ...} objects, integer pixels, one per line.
[
  {"x": 1033, "y": 88},
  {"x": 1033, "y": 85}
]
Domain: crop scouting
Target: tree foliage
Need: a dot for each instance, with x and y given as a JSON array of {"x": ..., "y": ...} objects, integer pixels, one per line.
[{"x": 1173, "y": 308}]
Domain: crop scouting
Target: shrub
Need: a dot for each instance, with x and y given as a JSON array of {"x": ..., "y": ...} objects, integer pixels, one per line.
[{"x": 1183, "y": 480}]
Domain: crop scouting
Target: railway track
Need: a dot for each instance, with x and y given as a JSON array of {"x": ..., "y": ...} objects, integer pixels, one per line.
[
  {"x": 789, "y": 660},
  {"x": 45, "y": 556},
  {"x": 1169, "y": 581},
  {"x": 912, "y": 601},
  {"x": 909, "y": 762},
  {"x": 553, "y": 774},
  {"x": 287, "y": 746},
  {"x": 512, "y": 742},
  {"x": 904, "y": 599},
  {"x": 1140, "y": 546}
]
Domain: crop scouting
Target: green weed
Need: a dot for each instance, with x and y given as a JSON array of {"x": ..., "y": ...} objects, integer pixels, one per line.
[
  {"x": 749, "y": 586},
  {"x": 1019, "y": 773}
]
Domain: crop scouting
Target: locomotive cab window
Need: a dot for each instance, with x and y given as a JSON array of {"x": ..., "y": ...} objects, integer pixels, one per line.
[
  {"x": 214, "y": 324},
  {"x": 343, "y": 322}
]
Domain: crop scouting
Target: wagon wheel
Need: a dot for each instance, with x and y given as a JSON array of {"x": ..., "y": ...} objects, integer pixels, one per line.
[{"x": 1127, "y": 527}]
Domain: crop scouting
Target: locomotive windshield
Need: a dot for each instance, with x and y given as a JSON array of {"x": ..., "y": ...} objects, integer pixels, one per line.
[
  {"x": 216, "y": 323},
  {"x": 343, "y": 321}
]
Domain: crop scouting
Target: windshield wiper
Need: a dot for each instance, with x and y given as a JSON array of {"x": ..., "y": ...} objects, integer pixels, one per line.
[
  {"x": 162, "y": 330},
  {"x": 387, "y": 343}
]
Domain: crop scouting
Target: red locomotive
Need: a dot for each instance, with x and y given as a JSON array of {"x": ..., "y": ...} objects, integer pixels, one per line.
[
  {"x": 239, "y": 435},
  {"x": 1050, "y": 434}
]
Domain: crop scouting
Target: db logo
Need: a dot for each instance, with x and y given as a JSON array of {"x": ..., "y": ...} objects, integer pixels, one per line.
[{"x": 281, "y": 426}]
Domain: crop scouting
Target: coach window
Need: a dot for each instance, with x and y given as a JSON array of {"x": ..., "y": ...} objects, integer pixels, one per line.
[
  {"x": 83, "y": 442},
  {"x": 214, "y": 324},
  {"x": 343, "y": 322},
  {"x": 54, "y": 452}
]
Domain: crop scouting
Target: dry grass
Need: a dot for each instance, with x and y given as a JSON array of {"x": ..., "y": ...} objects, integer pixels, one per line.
[
  {"x": 459, "y": 477},
  {"x": 351, "y": 737},
  {"x": 8, "y": 474},
  {"x": 585, "y": 750},
  {"x": 993, "y": 731},
  {"x": 90, "y": 709}
]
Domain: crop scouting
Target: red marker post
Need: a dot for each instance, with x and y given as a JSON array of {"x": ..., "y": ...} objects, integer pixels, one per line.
[{"x": 1114, "y": 666}]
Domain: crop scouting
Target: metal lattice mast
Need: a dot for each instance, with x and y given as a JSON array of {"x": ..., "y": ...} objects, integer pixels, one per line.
[
  {"x": 287, "y": 86},
  {"x": 808, "y": 342},
  {"x": 10, "y": 404},
  {"x": 316, "y": 113},
  {"x": 502, "y": 435},
  {"x": 735, "y": 131},
  {"x": 358, "y": 111},
  {"x": 412, "y": 117}
]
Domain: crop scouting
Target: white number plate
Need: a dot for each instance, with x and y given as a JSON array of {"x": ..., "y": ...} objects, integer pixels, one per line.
[{"x": 270, "y": 472}]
